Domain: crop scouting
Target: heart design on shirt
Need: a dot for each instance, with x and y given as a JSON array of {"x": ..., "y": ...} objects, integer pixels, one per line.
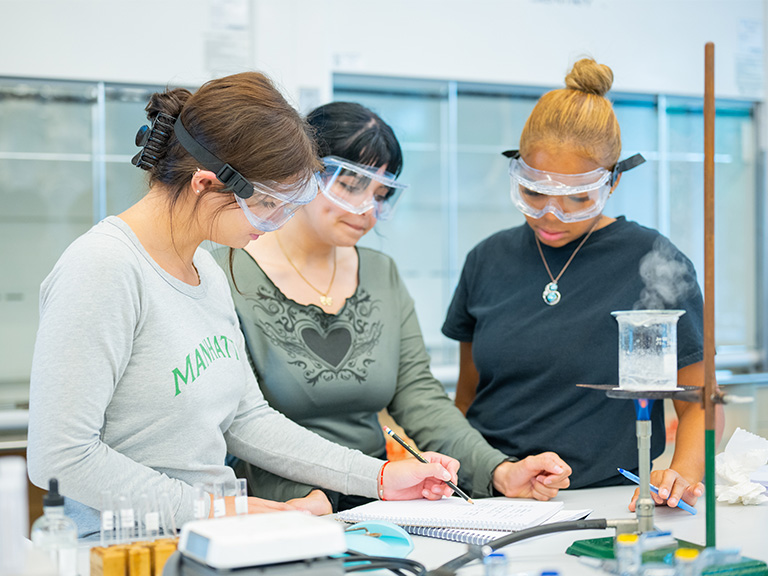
[{"x": 331, "y": 347}]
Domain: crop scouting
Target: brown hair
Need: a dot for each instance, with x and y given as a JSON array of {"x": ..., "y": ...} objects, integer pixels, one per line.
[
  {"x": 242, "y": 119},
  {"x": 578, "y": 116}
]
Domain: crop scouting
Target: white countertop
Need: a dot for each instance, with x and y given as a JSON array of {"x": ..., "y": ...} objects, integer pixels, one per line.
[{"x": 743, "y": 527}]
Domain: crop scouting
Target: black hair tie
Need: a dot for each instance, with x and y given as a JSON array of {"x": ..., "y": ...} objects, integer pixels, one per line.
[{"x": 152, "y": 141}]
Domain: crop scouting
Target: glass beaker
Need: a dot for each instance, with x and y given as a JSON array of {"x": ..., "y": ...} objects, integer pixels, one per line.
[{"x": 648, "y": 349}]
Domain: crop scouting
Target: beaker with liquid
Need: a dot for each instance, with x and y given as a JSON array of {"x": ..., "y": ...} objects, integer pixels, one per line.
[{"x": 648, "y": 349}]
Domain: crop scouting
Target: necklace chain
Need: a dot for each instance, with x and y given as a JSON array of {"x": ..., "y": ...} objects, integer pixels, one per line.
[
  {"x": 325, "y": 300},
  {"x": 551, "y": 294}
]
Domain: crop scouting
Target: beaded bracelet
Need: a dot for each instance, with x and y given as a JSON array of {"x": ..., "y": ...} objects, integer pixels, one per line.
[{"x": 381, "y": 480}]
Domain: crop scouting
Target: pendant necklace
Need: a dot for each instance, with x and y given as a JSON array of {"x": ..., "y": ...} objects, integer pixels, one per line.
[
  {"x": 551, "y": 294},
  {"x": 325, "y": 300}
]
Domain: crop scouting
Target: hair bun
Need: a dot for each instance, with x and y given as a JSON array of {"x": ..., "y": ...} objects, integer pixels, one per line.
[
  {"x": 590, "y": 77},
  {"x": 169, "y": 102}
]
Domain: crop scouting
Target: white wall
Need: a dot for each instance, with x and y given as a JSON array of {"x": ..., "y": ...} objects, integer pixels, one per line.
[{"x": 652, "y": 45}]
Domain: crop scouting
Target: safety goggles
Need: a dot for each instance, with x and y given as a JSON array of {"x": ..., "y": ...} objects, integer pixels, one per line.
[
  {"x": 267, "y": 205},
  {"x": 272, "y": 204},
  {"x": 358, "y": 188},
  {"x": 569, "y": 197}
]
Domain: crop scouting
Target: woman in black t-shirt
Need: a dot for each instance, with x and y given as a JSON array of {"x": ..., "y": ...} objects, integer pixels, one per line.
[{"x": 532, "y": 308}]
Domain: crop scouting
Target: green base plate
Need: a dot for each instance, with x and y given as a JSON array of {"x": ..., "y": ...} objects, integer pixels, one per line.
[{"x": 602, "y": 548}]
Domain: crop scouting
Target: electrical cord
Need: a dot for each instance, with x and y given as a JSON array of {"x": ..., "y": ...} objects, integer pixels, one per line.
[
  {"x": 477, "y": 552},
  {"x": 355, "y": 562}
]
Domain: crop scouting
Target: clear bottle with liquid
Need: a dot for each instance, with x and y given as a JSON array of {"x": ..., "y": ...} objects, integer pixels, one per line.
[
  {"x": 55, "y": 534},
  {"x": 628, "y": 554},
  {"x": 687, "y": 562}
]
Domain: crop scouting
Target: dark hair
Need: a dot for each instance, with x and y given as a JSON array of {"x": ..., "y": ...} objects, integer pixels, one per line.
[
  {"x": 243, "y": 120},
  {"x": 353, "y": 132}
]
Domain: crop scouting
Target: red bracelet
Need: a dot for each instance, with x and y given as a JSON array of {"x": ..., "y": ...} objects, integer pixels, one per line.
[{"x": 381, "y": 480}]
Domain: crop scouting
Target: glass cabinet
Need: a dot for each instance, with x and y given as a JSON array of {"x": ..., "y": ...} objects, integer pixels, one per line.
[
  {"x": 452, "y": 136},
  {"x": 65, "y": 150}
]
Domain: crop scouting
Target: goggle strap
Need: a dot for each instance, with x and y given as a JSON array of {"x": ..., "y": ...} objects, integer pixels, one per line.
[
  {"x": 231, "y": 178},
  {"x": 626, "y": 164},
  {"x": 514, "y": 154}
]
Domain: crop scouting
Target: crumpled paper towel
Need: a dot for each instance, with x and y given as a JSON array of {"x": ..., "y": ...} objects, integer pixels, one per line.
[{"x": 743, "y": 455}]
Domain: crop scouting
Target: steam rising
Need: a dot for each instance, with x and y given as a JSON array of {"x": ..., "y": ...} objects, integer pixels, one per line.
[{"x": 668, "y": 277}]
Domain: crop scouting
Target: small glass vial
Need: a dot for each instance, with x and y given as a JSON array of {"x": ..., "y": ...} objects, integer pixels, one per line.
[
  {"x": 126, "y": 520},
  {"x": 219, "y": 504},
  {"x": 201, "y": 501},
  {"x": 167, "y": 519},
  {"x": 241, "y": 496},
  {"x": 495, "y": 564},
  {"x": 56, "y": 534},
  {"x": 150, "y": 516},
  {"x": 108, "y": 531},
  {"x": 628, "y": 554},
  {"x": 687, "y": 562}
]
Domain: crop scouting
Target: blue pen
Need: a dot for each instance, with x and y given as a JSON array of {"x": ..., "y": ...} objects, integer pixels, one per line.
[{"x": 680, "y": 504}]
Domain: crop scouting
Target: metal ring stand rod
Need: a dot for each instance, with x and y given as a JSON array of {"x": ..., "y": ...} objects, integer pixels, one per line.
[{"x": 708, "y": 398}]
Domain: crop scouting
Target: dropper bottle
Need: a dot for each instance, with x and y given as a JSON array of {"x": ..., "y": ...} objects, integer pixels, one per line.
[{"x": 55, "y": 534}]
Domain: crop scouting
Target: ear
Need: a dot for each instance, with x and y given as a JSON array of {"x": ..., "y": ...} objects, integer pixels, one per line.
[{"x": 202, "y": 179}]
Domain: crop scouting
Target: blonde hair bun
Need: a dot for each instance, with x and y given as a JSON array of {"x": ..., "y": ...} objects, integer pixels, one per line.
[{"x": 590, "y": 77}]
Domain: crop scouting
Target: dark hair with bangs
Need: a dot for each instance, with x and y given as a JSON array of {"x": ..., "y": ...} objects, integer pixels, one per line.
[{"x": 351, "y": 131}]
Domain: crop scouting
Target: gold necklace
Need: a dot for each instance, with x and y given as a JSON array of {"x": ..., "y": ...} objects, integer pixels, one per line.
[
  {"x": 551, "y": 294},
  {"x": 325, "y": 300}
]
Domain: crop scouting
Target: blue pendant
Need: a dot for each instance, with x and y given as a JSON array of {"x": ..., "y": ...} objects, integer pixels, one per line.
[{"x": 551, "y": 295}]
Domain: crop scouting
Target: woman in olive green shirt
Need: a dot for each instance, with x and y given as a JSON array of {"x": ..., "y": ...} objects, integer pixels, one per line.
[{"x": 333, "y": 333}]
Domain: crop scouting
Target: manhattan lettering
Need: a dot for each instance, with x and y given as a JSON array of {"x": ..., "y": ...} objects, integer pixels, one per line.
[{"x": 207, "y": 352}]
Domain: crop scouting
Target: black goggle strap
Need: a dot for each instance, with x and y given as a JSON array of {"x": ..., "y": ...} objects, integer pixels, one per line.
[
  {"x": 231, "y": 178},
  {"x": 511, "y": 154},
  {"x": 623, "y": 166}
]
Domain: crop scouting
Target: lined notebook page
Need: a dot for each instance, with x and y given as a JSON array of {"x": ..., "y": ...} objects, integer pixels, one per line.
[
  {"x": 482, "y": 537},
  {"x": 485, "y": 513}
]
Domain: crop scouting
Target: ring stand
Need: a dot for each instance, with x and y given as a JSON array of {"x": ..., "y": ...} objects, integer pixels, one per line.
[
  {"x": 643, "y": 400},
  {"x": 644, "y": 507}
]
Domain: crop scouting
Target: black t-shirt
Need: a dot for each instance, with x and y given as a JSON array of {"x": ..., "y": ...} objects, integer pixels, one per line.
[{"x": 530, "y": 356}]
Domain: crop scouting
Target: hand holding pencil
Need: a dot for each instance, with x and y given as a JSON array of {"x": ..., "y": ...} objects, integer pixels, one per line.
[{"x": 450, "y": 464}]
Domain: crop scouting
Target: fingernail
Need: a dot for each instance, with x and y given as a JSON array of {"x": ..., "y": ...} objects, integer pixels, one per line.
[
  {"x": 558, "y": 469},
  {"x": 446, "y": 474},
  {"x": 663, "y": 492},
  {"x": 672, "y": 502}
]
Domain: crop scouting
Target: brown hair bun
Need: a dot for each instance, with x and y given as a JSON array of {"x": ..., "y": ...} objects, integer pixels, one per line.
[{"x": 590, "y": 77}]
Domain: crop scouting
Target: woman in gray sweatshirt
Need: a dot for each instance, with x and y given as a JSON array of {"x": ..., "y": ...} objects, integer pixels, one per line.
[{"x": 140, "y": 381}]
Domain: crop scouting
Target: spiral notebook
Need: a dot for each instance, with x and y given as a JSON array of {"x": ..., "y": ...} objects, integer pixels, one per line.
[
  {"x": 485, "y": 514},
  {"x": 482, "y": 537}
]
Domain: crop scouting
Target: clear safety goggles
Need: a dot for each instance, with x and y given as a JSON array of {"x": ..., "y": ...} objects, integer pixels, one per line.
[
  {"x": 358, "y": 188},
  {"x": 272, "y": 204},
  {"x": 569, "y": 197},
  {"x": 267, "y": 205}
]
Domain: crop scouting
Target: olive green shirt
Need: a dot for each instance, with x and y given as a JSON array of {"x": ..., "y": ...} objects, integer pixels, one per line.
[{"x": 333, "y": 373}]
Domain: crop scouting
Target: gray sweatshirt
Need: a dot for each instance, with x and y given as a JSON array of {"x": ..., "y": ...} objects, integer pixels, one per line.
[{"x": 140, "y": 382}]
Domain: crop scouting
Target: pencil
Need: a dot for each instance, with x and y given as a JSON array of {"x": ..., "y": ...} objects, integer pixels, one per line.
[
  {"x": 421, "y": 458},
  {"x": 680, "y": 504}
]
